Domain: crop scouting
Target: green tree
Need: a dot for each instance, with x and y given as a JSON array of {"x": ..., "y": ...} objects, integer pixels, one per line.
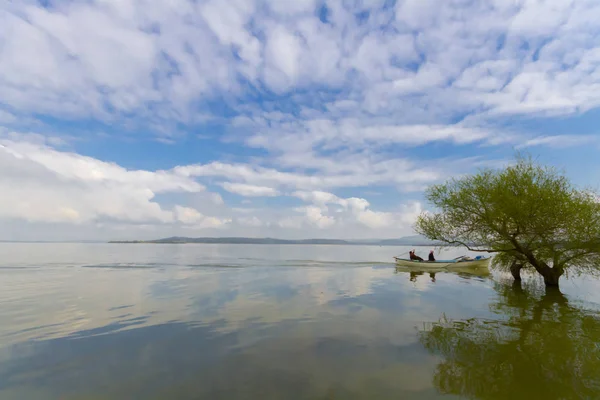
[
  {"x": 539, "y": 347},
  {"x": 529, "y": 215}
]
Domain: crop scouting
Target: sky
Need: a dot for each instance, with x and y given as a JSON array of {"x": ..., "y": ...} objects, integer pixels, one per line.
[{"x": 139, "y": 119}]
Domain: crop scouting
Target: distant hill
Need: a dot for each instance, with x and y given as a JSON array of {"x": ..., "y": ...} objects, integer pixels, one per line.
[{"x": 415, "y": 240}]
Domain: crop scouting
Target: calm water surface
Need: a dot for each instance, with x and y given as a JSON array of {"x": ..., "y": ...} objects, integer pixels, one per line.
[{"x": 102, "y": 321}]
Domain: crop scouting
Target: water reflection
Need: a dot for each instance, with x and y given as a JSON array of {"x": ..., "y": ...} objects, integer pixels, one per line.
[
  {"x": 313, "y": 329},
  {"x": 542, "y": 347},
  {"x": 414, "y": 275},
  {"x": 294, "y": 333},
  {"x": 465, "y": 273}
]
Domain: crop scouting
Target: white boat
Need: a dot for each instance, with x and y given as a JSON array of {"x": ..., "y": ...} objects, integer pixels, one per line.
[{"x": 458, "y": 263}]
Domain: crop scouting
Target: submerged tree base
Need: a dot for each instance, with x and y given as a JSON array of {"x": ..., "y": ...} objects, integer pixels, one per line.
[
  {"x": 515, "y": 270},
  {"x": 551, "y": 279},
  {"x": 551, "y": 275}
]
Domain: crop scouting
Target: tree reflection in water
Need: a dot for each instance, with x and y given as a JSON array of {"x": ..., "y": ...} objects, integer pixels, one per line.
[{"x": 543, "y": 347}]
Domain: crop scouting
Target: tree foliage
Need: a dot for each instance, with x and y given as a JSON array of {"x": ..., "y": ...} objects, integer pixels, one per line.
[{"x": 529, "y": 215}]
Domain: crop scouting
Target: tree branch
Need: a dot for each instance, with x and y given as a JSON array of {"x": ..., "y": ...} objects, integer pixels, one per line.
[{"x": 476, "y": 250}]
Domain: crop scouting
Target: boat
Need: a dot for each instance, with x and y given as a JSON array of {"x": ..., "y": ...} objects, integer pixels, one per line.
[{"x": 457, "y": 263}]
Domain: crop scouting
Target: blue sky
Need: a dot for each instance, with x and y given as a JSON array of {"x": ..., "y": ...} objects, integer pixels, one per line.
[{"x": 124, "y": 119}]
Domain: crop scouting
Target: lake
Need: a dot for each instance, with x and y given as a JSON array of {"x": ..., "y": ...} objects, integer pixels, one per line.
[{"x": 140, "y": 321}]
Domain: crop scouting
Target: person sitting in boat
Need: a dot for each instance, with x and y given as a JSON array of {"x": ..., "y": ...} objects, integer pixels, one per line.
[
  {"x": 413, "y": 256},
  {"x": 431, "y": 256}
]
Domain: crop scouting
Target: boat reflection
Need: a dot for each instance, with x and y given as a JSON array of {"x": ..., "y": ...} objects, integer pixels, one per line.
[
  {"x": 541, "y": 346},
  {"x": 415, "y": 272}
]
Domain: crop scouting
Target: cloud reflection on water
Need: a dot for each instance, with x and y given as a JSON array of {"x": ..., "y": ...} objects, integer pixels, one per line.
[{"x": 327, "y": 331}]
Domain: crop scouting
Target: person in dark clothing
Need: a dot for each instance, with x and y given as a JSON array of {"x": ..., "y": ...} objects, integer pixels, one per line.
[
  {"x": 414, "y": 257},
  {"x": 431, "y": 256}
]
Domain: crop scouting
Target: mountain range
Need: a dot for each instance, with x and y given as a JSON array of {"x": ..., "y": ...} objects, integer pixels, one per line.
[{"x": 415, "y": 240}]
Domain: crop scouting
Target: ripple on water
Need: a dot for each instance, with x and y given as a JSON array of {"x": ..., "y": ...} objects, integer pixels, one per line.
[{"x": 182, "y": 324}]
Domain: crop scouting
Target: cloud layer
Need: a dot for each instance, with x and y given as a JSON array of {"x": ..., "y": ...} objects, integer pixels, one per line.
[
  {"x": 110, "y": 58},
  {"x": 41, "y": 184},
  {"x": 313, "y": 106}
]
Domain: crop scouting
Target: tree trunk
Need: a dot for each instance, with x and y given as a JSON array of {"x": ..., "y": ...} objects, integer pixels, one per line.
[
  {"x": 551, "y": 279},
  {"x": 515, "y": 270},
  {"x": 551, "y": 276}
]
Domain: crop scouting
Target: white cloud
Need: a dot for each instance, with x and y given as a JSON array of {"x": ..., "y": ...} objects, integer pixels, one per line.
[
  {"x": 213, "y": 222},
  {"x": 107, "y": 58},
  {"x": 249, "y": 190},
  {"x": 250, "y": 221},
  {"x": 352, "y": 172},
  {"x": 559, "y": 141},
  {"x": 317, "y": 197},
  {"x": 290, "y": 222},
  {"x": 217, "y": 199},
  {"x": 188, "y": 215},
  {"x": 316, "y": 217},
  {"x": 75, "y": 167},
  {"x": 39, "y": 183},
  {"x": 374, "y": 219},
  {"x": 352, "y": 210},
  {"x": 192, "y": 218},
  {"x": 355, "y": 134},
  {"x": 282, "y": 50},
  {"x": 289, "y": 8}
]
